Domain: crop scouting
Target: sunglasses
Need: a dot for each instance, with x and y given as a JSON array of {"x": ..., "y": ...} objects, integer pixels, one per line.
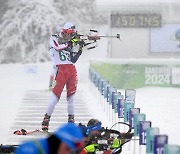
[{"x": 68, "y": 31}]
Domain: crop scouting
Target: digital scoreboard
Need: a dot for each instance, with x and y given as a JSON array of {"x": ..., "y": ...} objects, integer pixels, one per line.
[{"x": 135, "y": 20}]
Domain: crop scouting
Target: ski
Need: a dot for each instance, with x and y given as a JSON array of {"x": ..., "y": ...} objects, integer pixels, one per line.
[{"x": 25, "y": 132}]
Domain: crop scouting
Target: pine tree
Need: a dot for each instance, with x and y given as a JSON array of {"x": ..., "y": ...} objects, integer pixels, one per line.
[
  {"x": 3, "y": 8},
  {"x": 27, "y": 26}
]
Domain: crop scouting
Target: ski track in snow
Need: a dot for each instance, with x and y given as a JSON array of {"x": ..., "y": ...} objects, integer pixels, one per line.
[{"x": 33, "y": 108}]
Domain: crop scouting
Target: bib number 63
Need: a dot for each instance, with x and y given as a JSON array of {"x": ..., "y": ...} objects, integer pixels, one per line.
[{"x": 64, "y": 56}]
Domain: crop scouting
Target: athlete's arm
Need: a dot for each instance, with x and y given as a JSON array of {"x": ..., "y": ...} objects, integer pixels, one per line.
[
  {"x": 75, "y": 57},
  {"x": 58, "y": 47}
]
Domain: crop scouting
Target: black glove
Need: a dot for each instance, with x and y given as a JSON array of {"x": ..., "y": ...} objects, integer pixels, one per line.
[
  {"x": 70, "y": 43},
  {"x": 80, "y": 51},
  {"x": 81, "y": 43}
]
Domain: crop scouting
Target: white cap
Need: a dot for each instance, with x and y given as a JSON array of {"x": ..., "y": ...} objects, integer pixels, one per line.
[{"x": 68, "y": 25}]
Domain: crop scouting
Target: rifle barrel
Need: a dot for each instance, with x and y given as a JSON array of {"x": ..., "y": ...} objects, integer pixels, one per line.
[
  {"x": 107, "y": 36},
  {"x": 116, "y": 36}
]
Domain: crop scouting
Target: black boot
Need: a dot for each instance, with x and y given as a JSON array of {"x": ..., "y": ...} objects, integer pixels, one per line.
[
  {"x": 71, "y": 118},
  {"x": 45, "y": 123}
]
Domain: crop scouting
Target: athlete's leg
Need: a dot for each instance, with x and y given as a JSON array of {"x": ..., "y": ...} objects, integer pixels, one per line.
[
  {"x": 60, "y": 82},
  {"x": 57, "y": 90},
  {"x": 53, "y": 101},
  {"x": 71, "y": 84},
  {"x": 71, "y": 90},
  {"x": 70, "y": 101}
]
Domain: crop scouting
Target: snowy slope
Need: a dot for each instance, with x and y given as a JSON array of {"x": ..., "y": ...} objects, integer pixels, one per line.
[
  {"x": 161, "y": 105},
  {"x": 11, "y": 92},
  {"x": 14, "y": 82}
]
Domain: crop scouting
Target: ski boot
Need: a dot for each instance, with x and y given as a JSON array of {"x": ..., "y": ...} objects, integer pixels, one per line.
[
  {"x": 45, "y": 123},
  {"x": 71, "y": 118}
]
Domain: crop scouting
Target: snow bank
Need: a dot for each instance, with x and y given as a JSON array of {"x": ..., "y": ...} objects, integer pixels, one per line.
[
  {"x": 15, "y": 80},
  {"x": 161, "y": 106}
]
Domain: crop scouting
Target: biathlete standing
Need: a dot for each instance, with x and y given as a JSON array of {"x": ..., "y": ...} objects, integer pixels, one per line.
[{"x": 65, "y": 51}]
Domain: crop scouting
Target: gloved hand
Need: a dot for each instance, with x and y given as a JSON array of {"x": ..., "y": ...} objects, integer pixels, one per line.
[
  {"x": 80, "y": 51},
  {"x": 75, "y": 41},
  {"x": 81, "y": 43}
]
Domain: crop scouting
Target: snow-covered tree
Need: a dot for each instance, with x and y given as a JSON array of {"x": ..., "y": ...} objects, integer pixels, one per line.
[
  {"x": 77, "y": 10},
  {"x": 3, "y": 8},
  {"x": 26, "y": 27}
]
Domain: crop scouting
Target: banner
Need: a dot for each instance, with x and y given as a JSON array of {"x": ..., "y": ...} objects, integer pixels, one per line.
[
  {"x": 176, "y": 76},
  {"x": 166, "y": 38},
  {"x": 132, "y": 76},
  {"x": 31, "y": 69}
]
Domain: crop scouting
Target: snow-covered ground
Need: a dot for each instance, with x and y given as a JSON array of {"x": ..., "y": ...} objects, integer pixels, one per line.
[
  {"x": 161, "y": 105},
  {"x": 11, "y": 92},
  {"x": 14, "y": 82}
]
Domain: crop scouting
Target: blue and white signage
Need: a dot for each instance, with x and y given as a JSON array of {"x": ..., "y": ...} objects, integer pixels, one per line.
[
  {"x": 150, "y": 133},
  {"x": 137, "y": 119},
  {"x": 121, "y": 108},
  {"x": 130, "y": 95},
  {"x": 127, "y": 107},
  {"x": 132, "y": 113},
  {"x": 143, "y": 126},
  {"x": 171, "y": 149},
  {"x": 159, "y": 142},
  {"x": 166, "y": 38}
]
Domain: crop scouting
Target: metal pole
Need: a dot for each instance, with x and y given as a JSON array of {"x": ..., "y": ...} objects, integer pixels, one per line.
[{"x": 134, "y": 150}]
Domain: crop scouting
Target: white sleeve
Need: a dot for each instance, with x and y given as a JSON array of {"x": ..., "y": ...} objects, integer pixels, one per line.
[
  {"x": 75, "y": 48},
  {"x": 56, "y": 45}
]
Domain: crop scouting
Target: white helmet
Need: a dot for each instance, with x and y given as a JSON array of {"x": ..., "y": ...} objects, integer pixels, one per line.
[
  {"x": 68, "y": 28},
  {"x": 68, "y": 25}
]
